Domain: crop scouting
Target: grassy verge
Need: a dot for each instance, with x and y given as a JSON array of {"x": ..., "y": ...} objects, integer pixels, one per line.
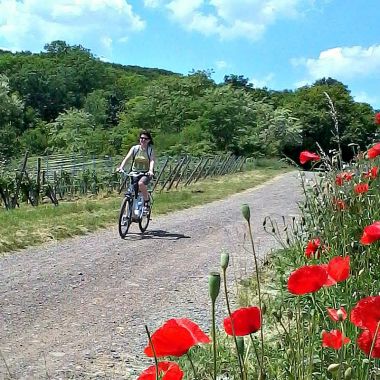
[{"x": 28, "y": 226}]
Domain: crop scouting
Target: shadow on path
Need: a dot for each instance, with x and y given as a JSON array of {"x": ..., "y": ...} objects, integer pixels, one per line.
[{"x": 156, "y": 234}]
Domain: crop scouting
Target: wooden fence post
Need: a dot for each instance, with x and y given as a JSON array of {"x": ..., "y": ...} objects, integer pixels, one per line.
[
  {"x": 201, "y": 170},
  {"x": 184, "y": 170},
  {"x": 19, "y": 180},
  {"x": 171, "y": 175},
  {"x": 193, "y": 172},
  {"x": 160, "y": 174},
  {"x": 174, "y": 176}
]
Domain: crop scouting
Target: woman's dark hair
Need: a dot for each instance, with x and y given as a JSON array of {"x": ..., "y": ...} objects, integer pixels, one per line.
[{"x": 147, "y": 133}]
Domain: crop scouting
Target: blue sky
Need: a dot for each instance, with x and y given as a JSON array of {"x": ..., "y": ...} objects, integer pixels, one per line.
[{"x": 280, "y": 44}]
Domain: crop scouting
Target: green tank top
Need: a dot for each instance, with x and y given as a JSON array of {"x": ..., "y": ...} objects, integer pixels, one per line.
[{"x": 141, "y": 161}]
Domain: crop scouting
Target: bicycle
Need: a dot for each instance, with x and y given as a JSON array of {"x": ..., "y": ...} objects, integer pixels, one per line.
[{"x": 132, "y": 206}]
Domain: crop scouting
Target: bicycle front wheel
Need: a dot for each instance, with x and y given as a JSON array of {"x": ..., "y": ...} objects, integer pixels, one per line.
[
  {"x": 144, "y": 221},
  {"x": 125, "y": 217}
]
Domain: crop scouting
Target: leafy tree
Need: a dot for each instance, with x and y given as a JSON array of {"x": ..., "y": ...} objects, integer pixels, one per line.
[
  {"x": 71, "y": 130},
  {"x": 11, "y": 108}
]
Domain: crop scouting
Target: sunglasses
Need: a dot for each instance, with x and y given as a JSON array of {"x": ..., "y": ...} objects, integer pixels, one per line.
[{"x": 144, "y": 138}]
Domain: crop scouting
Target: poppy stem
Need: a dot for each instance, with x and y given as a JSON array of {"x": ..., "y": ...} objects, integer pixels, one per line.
[
  {"x": 259, "y": 295},
  {"x": 213, "y": 336},
  {"x": 192, "y": 365},
  {"x": 373, "y": 345},
  {"x": 154, "y": 351},
  {"x": 232, "y": 324},
  {"x": 255, "y": 350}
]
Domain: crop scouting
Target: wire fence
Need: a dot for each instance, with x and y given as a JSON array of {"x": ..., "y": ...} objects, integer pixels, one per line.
[{"x": 58, "y": 177}]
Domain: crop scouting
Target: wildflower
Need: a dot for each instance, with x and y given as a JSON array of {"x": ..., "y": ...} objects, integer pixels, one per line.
[
  {"x": 365, "y": 342},
  {"x": 339, "y": 204},
  {"x": 377, "y": 118},
  {"x": 372, "y": 173},
  {"x": 307, "y": 279},
  {"x": 371, "y": 233},
  {"x": 312, "y": 248},
  {"x": 338, "y": 270},
  {"x": 361, "y": 188},
  {"x": 166, "y": 371},
  {"x": 337, "y": 315},
  {"x": 175, "y": 337},
  {"x": 344, "y": 176},
  {"x": 334, "y": 339},
  {"x": 306, "y": 156},
  {"x": 246, "y": 320},
  {"x": 366, "y": 313},
  {"x": 374, "y": 151}
]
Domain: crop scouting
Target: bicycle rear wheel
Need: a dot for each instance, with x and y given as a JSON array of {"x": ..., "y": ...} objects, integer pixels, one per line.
[
  {"x": 144, "y": 221},
  {"x": 125, "y": 216}
]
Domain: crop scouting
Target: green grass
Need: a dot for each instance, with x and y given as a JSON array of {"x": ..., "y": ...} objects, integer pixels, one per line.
[{"x": 28, "y": 226}]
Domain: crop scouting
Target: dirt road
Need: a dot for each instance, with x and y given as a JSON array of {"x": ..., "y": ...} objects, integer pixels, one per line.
[{"x": 77, "y": 308}]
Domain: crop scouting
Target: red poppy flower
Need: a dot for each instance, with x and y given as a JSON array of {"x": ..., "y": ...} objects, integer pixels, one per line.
[
  {"x": 339, "y": 203},
  {"x": 365, "y": 342},
  {"x": 372, "y": 173},
  {"x": 371, "y": 233},
  {"x": 337, "y": 315},
  {"x": 374, "y": 151},
  {"x": 344, "y": 176},
  {"x": 377, "y": 118},
  {"x": 366, "y": 313},
  {"x": 167, "y": 371},
  {"x": 361, "y": 188},
  {"x": 307, "y": 156},
  {"x": 307, "y": 279},
  {"x": 312, "y": 248},
  {"x": 338, "y": 270},
  {"x": 246, "y": 320},
  {"x": 175, "y": 337},
  {"x": 334, "y": 339}
]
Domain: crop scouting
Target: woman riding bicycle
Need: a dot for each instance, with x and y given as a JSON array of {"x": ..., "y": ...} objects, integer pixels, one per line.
[{"x": 143, "y": 160}]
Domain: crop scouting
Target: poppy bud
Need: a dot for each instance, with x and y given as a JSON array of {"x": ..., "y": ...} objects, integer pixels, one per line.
[
  {"x": 224, "y": 260},
  {"x": 348, "y": 373},
  {"x": 263, "y": 308},
  {"x": 333, "y": 367},
  {"x": 245, "y": 210},
  {"x": 289, "y": 352},
  {"x": 290, "y": 314},
  {"x": 240, "y": 345},
  {"x": 214, "y": 285},
  {"x": 340, "y": 315}
]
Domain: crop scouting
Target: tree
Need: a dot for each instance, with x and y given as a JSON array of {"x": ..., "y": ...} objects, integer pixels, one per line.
[{"x": 11, "y": 108}]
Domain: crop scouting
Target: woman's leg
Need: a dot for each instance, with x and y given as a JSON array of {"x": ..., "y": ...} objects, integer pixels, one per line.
[{"x": 143, "y": 187}]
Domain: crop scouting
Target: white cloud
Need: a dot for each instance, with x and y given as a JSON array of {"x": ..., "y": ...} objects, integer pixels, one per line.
[
  {"x": 343, "y": 62},
  {"x": 233, "y": 18},
  {"x": 220, "y": 65},
  {"x": 363, "y": 97},
  {"x": 152, "y": 3},
  {"x": 262, "y": 82},
  {"x": 29, "y": 24}
]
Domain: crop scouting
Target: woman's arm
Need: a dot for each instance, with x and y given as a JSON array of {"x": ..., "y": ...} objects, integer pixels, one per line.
[
  {"x": 127, "y": 157},
  {"x": 151, "y": 163}
]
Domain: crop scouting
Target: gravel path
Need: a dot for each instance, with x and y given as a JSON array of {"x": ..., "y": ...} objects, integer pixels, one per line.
[{"x": 77, "y": 308}]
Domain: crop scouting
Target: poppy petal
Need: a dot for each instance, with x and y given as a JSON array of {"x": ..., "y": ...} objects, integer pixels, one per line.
[
  {"x": 365, "y": 342},
  {"x": 175, "y": 337},
  {"x": 307, "y": 279},
  {"x": 371, "y": 233},
  {"x": 168, "y": 371},
  {"x": 246, "y": 320}
]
